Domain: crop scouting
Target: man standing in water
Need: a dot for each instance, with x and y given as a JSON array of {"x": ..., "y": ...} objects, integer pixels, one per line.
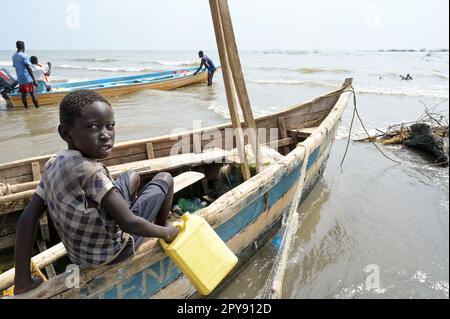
[
  {"x": 209, "y": 64},
  {"x": 25, "y": 77}
]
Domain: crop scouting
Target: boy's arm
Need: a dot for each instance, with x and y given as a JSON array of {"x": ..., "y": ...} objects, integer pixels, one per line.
[
  {"x": 49, "y": 69},
  {"x": 26, "y": 228},
  {"x": 114, "y": 204}
]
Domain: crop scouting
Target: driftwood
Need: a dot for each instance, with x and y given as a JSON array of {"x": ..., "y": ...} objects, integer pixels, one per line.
[{"x": 427, "y": 134}]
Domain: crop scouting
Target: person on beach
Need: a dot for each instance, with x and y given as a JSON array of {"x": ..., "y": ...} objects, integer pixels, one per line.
[
  {"x": 99, "y": 220},
  {"x": 25, "y": 77},
  {"x": 41, "y": 74},
  {"x": 208, "y": 64}
]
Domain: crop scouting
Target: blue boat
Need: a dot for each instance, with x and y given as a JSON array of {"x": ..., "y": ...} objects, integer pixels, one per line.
[{"x": 111, "y": 87}]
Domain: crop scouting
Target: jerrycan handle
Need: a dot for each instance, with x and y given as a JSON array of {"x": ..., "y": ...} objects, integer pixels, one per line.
[
  {"x": 178, "y": 224},
  {"x": 185, "y": 217},
  {"x": 182, "y": 224}
]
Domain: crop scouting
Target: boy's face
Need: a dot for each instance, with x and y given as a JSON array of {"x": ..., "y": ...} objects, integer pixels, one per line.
[{"x": 93, "y": 133}]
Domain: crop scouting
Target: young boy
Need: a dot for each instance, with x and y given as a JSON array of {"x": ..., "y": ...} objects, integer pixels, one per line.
[
  {"x": 209, "y": 64},
  {"x": 41, "y": 74},
  {"x": 92, "y": 213}
]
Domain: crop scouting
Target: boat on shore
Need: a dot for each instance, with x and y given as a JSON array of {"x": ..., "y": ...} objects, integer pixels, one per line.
[
  {"x": 111, "y": 87},
  {"x": 244, "y": 216}
]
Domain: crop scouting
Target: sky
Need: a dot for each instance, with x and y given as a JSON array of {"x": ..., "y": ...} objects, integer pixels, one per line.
[{"x": 258, "y": 24}]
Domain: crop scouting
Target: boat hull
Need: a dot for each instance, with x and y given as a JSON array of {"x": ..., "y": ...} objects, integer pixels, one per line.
[
  {"x": 240, "y": 217},
  {"x": 164, "y": 85}
]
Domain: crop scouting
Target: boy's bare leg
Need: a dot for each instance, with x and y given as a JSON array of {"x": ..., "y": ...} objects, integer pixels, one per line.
[
  {"x": 164, "y": 212},
  {"x": 24, "y": 100},
  {"x": 35, "y": 100}
]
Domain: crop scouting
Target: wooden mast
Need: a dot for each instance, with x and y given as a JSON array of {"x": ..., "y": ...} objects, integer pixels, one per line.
[
  {"x": 229, "y": 53},
  {"x": 214, "y": 5}
]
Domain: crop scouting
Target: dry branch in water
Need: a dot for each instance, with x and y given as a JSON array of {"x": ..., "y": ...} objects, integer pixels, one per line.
[{"x": 426, "y": 134}]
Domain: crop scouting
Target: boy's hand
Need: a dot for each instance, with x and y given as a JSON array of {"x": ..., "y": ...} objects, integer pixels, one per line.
[
  {"x": 35, "y": 83},
  {"x": 171, "y": 233},
  {"x": 34, "y": 282}
]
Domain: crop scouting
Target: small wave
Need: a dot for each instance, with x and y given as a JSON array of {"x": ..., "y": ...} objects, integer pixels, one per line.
[
  {"x": 413, "y": 92},
  {"x": 440, "y": 76},
  {"x": 5, "y": 63},
  {"x": 94, "y": 60},
  {"x": 297, "y": 82},
  {"x": 219, "y": 109},
  {"x": 275, "y": 68},
  {"x": 435, "y": 74},
  {"x": 322, "y": 70},
  {"x": 77, "y": 80},
  {"x": 291, "y": 52},
  {"x": 58, "y": 79},
  {"x": 176, "y": 63},
  {"x": 436, "y": 92},
  {"x": 105, "y": 69}
]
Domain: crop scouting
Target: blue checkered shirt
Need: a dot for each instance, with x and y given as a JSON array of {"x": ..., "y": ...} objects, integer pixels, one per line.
[{"x": 72, "y": 187}]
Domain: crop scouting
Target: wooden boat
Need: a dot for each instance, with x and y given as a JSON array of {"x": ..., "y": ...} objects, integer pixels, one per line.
[
  {"x": 242, "y": 216},
  {"x": 111, "y": 87}
]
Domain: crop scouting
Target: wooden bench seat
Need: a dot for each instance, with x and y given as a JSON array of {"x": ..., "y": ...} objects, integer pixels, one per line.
[
  {"x": 302, "y": 133},
  {"x": 161, "y": 164}
]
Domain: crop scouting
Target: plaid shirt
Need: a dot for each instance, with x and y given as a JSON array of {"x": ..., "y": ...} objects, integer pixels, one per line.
[{"x": 72, "y": 187}]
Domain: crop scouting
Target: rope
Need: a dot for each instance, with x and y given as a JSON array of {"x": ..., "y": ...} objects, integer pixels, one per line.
[
  {"x": 355, "y": 112},
  {"x": 37, "y": 271}
]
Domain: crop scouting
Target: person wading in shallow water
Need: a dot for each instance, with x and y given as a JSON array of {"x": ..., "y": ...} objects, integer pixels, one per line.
[
  {"x": 209, "y": 64},
  {"x": 25, "y": 77}
]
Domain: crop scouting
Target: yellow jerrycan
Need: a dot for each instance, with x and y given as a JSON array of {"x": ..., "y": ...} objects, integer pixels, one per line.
[{"x": 200, "y": 253}]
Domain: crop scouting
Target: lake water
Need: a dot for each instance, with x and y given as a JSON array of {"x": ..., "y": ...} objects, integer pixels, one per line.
[{"x": 371, "y": 213}]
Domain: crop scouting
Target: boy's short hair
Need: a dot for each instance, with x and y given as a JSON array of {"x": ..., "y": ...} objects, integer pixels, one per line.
[
  {"x": 34, "y": 59},
  {"x": 71, "y": 106}
]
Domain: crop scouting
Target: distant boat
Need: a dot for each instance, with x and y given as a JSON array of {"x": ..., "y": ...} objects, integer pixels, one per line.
[{"x": 110, "y": 87}]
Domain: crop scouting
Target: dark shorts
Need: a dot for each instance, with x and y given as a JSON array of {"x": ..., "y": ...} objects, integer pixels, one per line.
[
  {"x": 26, "y": 88},
  {"x": 147, "y": 205}
]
